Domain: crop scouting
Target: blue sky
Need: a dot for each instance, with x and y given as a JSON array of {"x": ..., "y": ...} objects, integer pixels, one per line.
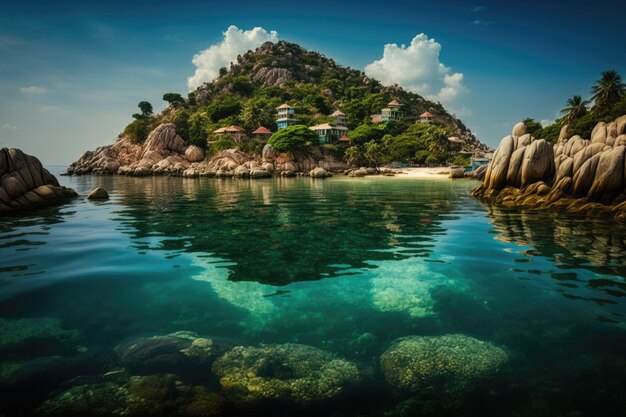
[{"x": 71, "y": 73}]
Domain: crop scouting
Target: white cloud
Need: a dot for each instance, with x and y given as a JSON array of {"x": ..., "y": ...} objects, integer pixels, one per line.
[
  {"x": 546, "y": 122},
  {"x": 478, "y": 22},
  {"x": 32, "y": 90},
  {"x": 478, "y": 9},
  {"x": 417, "y": 68},
  {"x": 9, "y": 127},
  {"x": 236, "y": 41}
]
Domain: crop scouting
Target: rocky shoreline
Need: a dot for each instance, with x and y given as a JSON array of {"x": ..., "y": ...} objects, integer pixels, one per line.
[
  {"x": 26, "y": 185},
  {"x": 165, "y": 153},
  {"x": 575, "y": 175}
]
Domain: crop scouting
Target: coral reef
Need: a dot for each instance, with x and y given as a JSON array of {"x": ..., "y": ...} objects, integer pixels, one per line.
[
  {"x": 451, "y": 361},
  {"x": 290, "y": 372}
]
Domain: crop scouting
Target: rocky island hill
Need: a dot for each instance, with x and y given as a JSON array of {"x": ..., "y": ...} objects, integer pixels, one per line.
[{"x": 215, "y": 130}]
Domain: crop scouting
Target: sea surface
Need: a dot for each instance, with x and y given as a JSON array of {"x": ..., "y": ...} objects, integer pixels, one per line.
[{"x": 345, "y": 265}]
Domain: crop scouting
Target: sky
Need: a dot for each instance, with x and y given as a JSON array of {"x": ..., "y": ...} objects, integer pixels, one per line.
[{"x": 72, "y": 72}]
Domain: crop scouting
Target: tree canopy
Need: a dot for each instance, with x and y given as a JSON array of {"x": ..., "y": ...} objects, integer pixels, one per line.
[{"x": 293, "y": 138}]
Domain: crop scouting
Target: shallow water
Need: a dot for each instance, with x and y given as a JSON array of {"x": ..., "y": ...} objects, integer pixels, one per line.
[{"x": 346, "y": 265}]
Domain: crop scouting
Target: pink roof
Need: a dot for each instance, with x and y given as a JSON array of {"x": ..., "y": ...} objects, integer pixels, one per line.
[
  {"x": 337, "y": 113},
  {"x": 426, "y": 114},
  {"x": 393, "y": 103},
  {"x": 376, "y": 119},
  {"x": 344, "y": 138},
  {"x": 262, "y": 131},
  {"x": 284, "y": 106}
]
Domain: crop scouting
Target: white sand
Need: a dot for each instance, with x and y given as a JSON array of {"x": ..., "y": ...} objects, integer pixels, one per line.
[{"x": 423, "y": 172}]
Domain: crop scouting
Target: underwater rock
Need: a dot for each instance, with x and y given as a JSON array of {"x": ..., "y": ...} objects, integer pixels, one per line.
[
  {"x": 293, "y": 373},
  {"x": 98, "y": 193},
  {"x": 41, "y": 333},
  {"x": 180, "y": 352},
  {"x": 41, "y": 375},
  {"x": 451, "y": 361},
  {"x": 105, "y": 399}
]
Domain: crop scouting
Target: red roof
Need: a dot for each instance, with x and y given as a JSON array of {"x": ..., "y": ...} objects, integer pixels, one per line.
[
  {"x": 376, "y": 119},
  {"x": 344, "y": 138},
  {"x": 393, "y": 103},
  {"x": 262, "y": 131},
  {"x": 426, "y": 114}
]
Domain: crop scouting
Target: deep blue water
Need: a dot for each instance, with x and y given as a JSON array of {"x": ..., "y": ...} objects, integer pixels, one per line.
[{"x": 345, "y": 265}]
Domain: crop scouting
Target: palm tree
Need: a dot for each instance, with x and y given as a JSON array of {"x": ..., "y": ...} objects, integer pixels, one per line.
[
  {"x": 608, "y": 90},
  {"x": 575, "y": 108}
]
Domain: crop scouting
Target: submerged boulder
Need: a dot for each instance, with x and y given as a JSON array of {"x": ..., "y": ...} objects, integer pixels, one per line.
[
  {"x": 25, "y": 184},
  {"x": 450, "y": 361},
  {"x": 319, "y": 173},
  {"x": 292, "y": 373},
  {"x": 98, "y": 193},
  {"x": 180, "y": 352}
]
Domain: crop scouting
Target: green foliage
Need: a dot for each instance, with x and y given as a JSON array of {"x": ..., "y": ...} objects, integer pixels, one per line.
[
  {"x": 354, "y": 156},
  {"x": 198, "y": 124},
  {"x": 374, "y": 153},
  {"x": 607, "y": 92},
  {"x": 242, "y": 85},
  {"x": 463, "y": 160},
  {"x": 418, "y": 143},
  {"x": 174, "y": 99},
  {"x": 293, "y": 138},
  {"x": 223, "y": 71},
  {"x": 550, "y": 133},
  {"x": 584, "y": 125},
  {"x": 138, "y": 130},
  {"x": 225, "y": 142},
  {"x": 228, "y": 106},
  {"x": 146, "y": 108},
  {"x": 335, "y": 151},
  {"x": 181, "y": 120},
  {"x": 367, "y": 132},
  {"x": 575, "y": 108},
  {"x": 532, "y": 126}
]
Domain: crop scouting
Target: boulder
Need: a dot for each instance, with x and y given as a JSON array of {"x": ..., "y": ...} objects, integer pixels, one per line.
[
  {"x": 518, "y": 130},
  {"x": 565, "y": 133},
  {"x": 498, "y": 168},
  {"x": 25, "y": 184},
  {"x": 598, "y": 134},
  {"x": 538, "y": 163},
  {"x": 319, "y": 173},
  {"x": 194, "y": 153},
  {"x": 457, "y": 173},
  {"x": 98, "y": 193},
  {"x": 609, "y": 174},
  {"x": 449, "y": 362}
]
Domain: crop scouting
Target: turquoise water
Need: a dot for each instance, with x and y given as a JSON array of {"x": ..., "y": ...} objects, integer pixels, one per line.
[{"x": 344, "y": 265}]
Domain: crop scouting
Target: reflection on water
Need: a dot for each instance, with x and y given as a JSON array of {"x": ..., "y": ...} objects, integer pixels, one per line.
[{"x": 345, "y": 265}]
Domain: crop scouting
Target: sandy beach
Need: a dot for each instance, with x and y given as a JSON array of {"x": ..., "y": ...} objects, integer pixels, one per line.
[{"x": 423, "y": 172}]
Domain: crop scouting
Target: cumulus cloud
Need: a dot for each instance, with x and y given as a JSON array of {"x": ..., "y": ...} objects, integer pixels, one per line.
[
  {"x": 32, "y": 90},
  {"x": 235, "y": 41},
  {"x": 417, "y": 68}
]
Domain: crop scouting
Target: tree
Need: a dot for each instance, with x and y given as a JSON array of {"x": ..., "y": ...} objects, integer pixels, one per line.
[
  {"x": 374, "y": 153},
  {"x": 575, "y": 108},
  {"x": 223, "y": 71},
  {"x": 146, "y": 108},
  {"x": 367, "y": 132},
  {"x": 293, "y": 138},
  {"x": 354, "y": 156},
  {"x": 174, "y": 99},
  {"x": 532, "y": 126},
  {"x": 607, "y": 92}
]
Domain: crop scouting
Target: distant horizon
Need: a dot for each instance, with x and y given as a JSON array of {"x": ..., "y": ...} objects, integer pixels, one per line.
[{"x": 73, "y": 73}]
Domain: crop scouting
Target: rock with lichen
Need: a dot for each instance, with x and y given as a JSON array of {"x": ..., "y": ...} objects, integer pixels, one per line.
[
  {"x": 291, "y": 373},
  {"x": 451, "y": 361}
]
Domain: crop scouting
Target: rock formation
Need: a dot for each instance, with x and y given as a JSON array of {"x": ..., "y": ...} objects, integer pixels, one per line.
[
  {"x": 575, "y": 173},
  {"x": 165, "y": 153},
  {"x": 25, "y": 184}
]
